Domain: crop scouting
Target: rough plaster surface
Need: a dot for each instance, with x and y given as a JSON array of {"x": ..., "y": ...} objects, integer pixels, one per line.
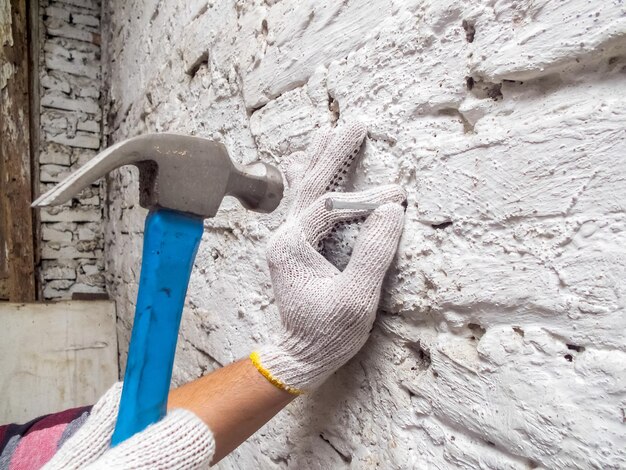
[{"x": 500, "y": 341}]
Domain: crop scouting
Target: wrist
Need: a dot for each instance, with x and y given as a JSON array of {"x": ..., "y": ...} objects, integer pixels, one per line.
[
  {"x": 296, "y": 371},
  {"x": 261, "y": 367}
]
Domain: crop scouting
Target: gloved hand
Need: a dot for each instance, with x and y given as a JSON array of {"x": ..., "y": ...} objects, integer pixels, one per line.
[
  {"x": 179, "y": 441},
  {"x": 326, "y": 315}
]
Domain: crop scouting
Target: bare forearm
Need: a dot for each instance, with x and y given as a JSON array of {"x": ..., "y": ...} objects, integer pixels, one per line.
[{"x": 234, "y": 401}]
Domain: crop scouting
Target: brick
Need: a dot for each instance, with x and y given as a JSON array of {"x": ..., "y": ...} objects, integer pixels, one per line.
[
  {"x": 84, "y": 288},
  {"x": 59, "y": 13},
  {"x": 93, "y": 5},
  {"x": 57, "y": 289},
  {"x": 49, "y": 232},
  {"x": 56, "y": 62},
  {"x": 88, "y": 91},
  {"x": 90, "y": 201},
  {"x": 59, "y": 101},
  {"x": 54, "y": 214},
  {"x": 56, "y": 119},
  {"x": 68, "y": 46},
  {"x": 54, "y": 252},
  {"x": 55, "y": 156},
  {"x": 91, "y": 269},
  {"x": 81, "y": 157},
  {"x": 52, "y": 270},
  {"x": 56, "y": 27},
  {"x": 52, "y": 81},
  {"x": 87, "y": 20},
  {"x": 53, "y": 173},
  {"x": 81, "y": 140}
]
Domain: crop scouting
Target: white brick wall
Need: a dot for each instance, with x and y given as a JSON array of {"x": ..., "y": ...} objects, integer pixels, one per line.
[
  {"x": 70, "y": 134},
  {"x": 500, "y": 342}
]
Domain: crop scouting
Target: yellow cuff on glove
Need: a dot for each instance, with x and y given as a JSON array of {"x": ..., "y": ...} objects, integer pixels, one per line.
[{"x": 256, "y": 360}]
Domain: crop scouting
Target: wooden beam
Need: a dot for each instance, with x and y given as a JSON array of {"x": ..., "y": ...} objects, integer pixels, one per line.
[
  {"x": 15, "y": 173},
  {"x": 35, "y": 42}
]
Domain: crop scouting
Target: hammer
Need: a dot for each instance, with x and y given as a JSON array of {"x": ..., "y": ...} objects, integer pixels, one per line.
[{"x": 182, "y": 180}]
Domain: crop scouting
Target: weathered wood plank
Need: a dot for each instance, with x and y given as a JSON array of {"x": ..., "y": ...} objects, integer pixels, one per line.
[{"x": 15, "y": 172}]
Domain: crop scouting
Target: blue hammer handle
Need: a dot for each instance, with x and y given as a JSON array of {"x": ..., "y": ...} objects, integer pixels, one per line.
[{"x": 170, "y": 245}]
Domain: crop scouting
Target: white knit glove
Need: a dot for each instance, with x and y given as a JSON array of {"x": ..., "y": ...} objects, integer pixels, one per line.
[
  {"x": 326, "y": 315},
  {"x": 179, "y": 441}
]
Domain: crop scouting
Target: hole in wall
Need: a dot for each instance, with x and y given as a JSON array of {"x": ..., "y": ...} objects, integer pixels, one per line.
[
  {"x": 519, "y": 331},
  {"x": 483, "y": 90},
  {"x": 470, "y": 30},
  {"x": 569, "y": 357},
  {"x": 202, "y": 59},
  {"x": 573, "y": 347},
  {"x": 422, "y": 355},
  {"x": 333, "y": 109},
  {"x": 442, "y": 225},
  {"x": 477, "y": 331},
  {"x": 495, "y": 92}
]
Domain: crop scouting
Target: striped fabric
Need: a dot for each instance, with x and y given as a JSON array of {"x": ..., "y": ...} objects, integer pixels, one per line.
[{"x": 29, "y": 446}]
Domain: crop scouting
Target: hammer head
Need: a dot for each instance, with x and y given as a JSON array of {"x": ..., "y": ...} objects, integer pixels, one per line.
[{"x": 178, "y": 172}]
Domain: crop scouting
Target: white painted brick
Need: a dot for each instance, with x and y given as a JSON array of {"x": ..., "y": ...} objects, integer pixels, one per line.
[
  {"x": 93, "y": 5},
  {"x": 87, "y": 91},
  {"x": 85, "y": 105},
  {"x": 51, "y": 119},
  {"x": 56, "y": 62},
  {"x": 80, "y": 140},
  {"x": 55, "y": 119},
  {"x": 56, "y": 27},
  {"x": 52, "y": 270},
  {"x": 84, "y": 288},
  {"x": 57, "y": 289},
  {"x": 88, "y": 20},
  {"x": 67, "y": 47},
  {"x": 59, "y": 13},
  {"x": 57, "y": 155},
  {"x": 91, "y": 201},
  {"x": 85, "y": 233},
  {"x": 95, "y": 280},
  {"x": 73, "y": 55},
  {"x": 52, "y": 252},
  {"x": 52, "y": 81},
  {"x": 54, "y": 214},
  {"x": 82, "y": 156},
  {"x": 88, "y": 125},
  {"x": 53, "y": 173},
  {"x": 90, "y": 269},
  {"x": 49, "y": 232}
]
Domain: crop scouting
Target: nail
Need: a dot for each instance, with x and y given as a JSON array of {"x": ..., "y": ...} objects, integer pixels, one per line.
[{"x": 334, "y": 204}]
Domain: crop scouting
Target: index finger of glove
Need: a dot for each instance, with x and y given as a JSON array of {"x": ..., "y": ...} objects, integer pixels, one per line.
[
  {"x": 375, "y": 248},
  {"x": 328, "y": 169},
  {"x": 318, "y": 220}
]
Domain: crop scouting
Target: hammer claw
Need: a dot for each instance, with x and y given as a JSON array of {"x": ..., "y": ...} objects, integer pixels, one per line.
[{"x": 111, "y": 158}]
